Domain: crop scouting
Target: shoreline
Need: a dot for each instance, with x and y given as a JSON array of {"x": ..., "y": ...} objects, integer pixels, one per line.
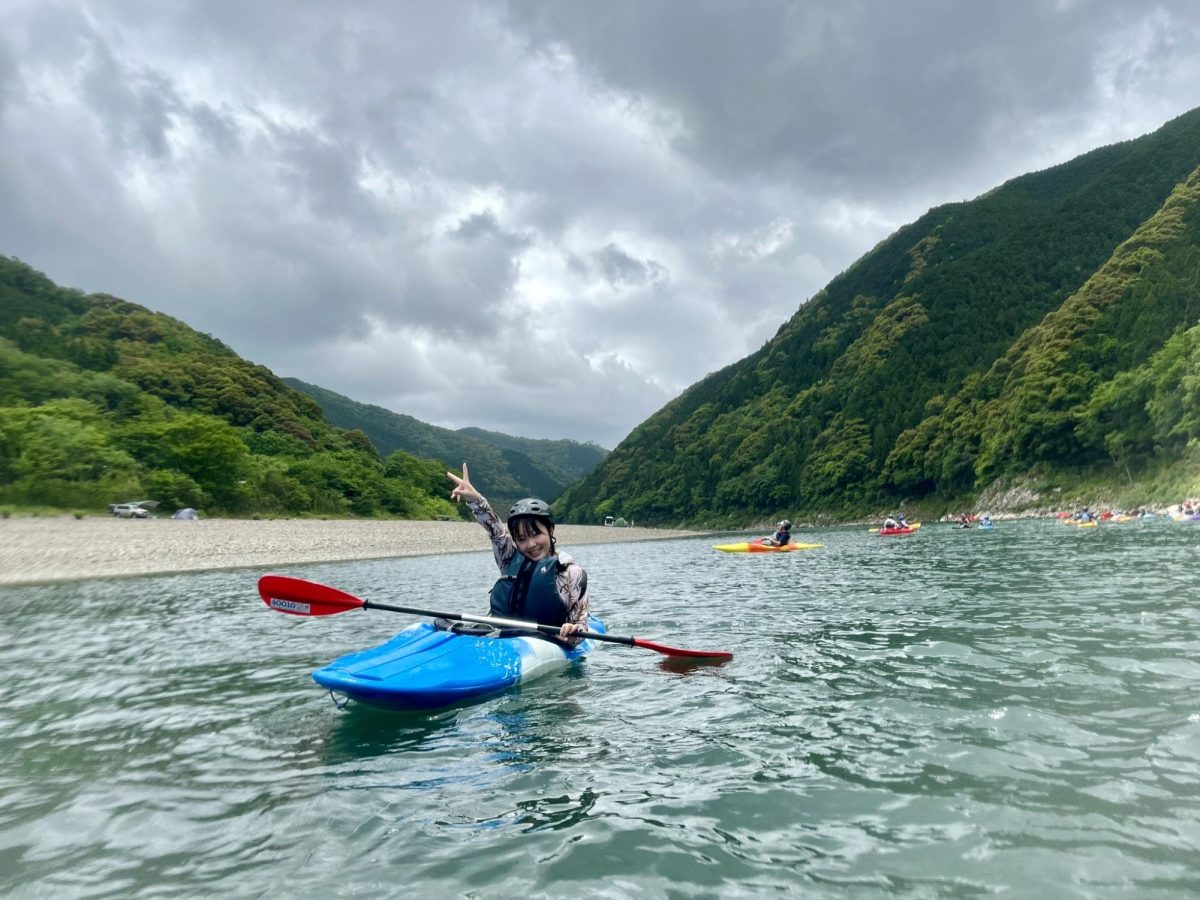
[{"x": 53, "y": 549}]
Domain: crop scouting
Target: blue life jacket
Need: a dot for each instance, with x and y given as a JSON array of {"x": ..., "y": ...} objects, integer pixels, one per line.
[
  {"x": 529, "y": 590},
  {"x": 783, "y": 538}
]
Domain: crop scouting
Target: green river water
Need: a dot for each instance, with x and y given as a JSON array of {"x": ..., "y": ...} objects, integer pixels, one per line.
[{"x": 1009, "y": 713}]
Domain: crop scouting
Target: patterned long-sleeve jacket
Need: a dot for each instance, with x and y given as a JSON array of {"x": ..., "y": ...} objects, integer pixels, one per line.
[{"x": 571, "y": 579}]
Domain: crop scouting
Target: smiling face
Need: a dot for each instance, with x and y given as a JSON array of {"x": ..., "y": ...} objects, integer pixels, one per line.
[{"x": 532, "y": 537}]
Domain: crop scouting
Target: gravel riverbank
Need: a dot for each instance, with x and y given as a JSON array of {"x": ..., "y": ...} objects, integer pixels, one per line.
[{"x": 63, "y": 548}]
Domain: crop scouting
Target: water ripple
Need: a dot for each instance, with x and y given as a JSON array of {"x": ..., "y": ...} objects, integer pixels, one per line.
[{"x": 954, "y": 714}]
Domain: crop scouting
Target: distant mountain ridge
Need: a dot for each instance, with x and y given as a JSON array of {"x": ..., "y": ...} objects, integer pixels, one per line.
[
  {"x": 503, "y": 467},
  {"x": 1042, "y": 333}
]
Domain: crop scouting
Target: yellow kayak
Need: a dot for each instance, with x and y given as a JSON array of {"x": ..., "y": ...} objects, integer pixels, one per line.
[{"x": 759, "y": 547}]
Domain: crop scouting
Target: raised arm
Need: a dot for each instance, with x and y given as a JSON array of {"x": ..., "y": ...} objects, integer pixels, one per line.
[{"x": 503, "y": 547}]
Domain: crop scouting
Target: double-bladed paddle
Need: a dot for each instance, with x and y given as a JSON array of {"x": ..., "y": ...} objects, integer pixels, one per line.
[{"x": 299, "y": 597}]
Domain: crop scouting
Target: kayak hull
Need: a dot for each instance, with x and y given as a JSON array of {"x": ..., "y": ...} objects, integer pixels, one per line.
[
  {"x": 756, "y": 547},
  {"x": 424, "y": 667},
  {"x": 895, "y": 532}
]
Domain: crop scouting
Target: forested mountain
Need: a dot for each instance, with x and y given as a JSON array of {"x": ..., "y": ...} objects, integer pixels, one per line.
[
  {"x": 1045, "y": 328},
  {"x": 570, "y": 459},
  {"x": 104, "y": 401},
  {"x": 503, "y": 467}
]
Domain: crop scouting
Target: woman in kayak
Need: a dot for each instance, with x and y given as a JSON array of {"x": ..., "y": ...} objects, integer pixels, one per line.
[
  {"x": 782, "y": 536},
  {"x": 553, "y": 593}
]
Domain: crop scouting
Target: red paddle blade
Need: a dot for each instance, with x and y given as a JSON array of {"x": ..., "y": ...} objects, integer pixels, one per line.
[
  {"x": 298, "y": 597},
  {"x": 679, "y": 651}
]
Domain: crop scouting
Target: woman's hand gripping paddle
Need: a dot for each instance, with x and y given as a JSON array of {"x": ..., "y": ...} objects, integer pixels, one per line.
[{"x": 298, "y": 597}]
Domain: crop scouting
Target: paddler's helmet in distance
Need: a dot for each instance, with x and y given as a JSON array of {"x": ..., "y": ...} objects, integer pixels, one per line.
[{"x": 784, "y": 524}]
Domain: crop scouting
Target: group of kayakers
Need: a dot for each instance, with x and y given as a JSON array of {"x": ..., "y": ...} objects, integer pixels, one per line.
[
  {"x": 969, "y": 521},
  {"x": 1084, "y": 515},
  {"x": 539, "y": 583}
]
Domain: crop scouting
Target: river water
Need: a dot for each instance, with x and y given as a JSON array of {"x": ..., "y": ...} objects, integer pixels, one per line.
[{"x": 949, "y": 714}]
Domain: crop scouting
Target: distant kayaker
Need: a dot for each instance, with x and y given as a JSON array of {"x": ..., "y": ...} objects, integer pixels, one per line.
[
  {"x": 890, "y": 523},
  {"x": 536, "y": 581},
  {"x": 782, "y": 536}
]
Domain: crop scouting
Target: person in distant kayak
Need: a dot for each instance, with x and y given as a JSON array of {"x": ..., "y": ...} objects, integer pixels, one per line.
[
  {"x": 782, "y": 536},
  {"x": 889, "y": 523},
  {"x": 536, "y": 581},
  {"x": 902, "y": 520}
]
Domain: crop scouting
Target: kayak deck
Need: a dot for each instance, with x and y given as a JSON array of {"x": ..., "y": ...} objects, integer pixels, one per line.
[
  {"x": 424, "y": 667},
  {"x": 758, "y": 547}
]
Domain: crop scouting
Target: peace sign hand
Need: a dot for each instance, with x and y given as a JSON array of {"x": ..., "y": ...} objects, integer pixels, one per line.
[{"x": 463, "y": 489}]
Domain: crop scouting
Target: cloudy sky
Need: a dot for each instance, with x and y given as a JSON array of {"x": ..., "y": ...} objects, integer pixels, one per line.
[{"x": 545, "y": 217}]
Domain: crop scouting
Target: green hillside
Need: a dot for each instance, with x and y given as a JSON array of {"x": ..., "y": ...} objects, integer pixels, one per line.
[
  {"x": 1015, "y": 336},
  {"x": 1108, "y": 378},
  {"x": 103, "y": 401},
  {"x": 503, "y": 467}
]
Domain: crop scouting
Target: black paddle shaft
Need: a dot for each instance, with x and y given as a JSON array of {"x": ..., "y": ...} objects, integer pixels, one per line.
[{"x": 502, "y": 623}]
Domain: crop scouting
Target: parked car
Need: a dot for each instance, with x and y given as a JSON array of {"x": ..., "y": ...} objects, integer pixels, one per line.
[{"x": 130, "y": 511}]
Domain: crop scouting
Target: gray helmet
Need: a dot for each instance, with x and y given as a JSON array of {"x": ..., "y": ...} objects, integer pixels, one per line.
[
  {"x": 530, "y": 506},
  {"x": 785, "y": 524}
]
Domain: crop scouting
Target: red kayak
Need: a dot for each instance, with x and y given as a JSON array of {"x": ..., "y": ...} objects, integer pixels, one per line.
[{"x": 891, "y": 532}]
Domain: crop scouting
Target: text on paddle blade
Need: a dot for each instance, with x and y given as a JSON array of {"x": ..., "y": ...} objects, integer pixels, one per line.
[{"x": 291, "y": 606}]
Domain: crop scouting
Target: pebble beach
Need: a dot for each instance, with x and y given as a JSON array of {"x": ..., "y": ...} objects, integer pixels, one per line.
[{"x": 62, "y": 548}]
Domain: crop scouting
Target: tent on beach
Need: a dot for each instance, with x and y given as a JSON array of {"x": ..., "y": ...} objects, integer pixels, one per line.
[{"x": 186, "y": 513}]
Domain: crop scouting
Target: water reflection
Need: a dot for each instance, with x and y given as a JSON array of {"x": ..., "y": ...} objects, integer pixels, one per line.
[{"x": 358, "y": 732}]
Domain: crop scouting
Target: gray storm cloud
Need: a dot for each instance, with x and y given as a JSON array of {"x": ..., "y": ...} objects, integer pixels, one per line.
[{"x": 545, "y": 218}]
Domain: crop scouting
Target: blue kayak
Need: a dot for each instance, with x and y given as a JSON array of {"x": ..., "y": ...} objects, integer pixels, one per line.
[{"x": 425, "y": 667}]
